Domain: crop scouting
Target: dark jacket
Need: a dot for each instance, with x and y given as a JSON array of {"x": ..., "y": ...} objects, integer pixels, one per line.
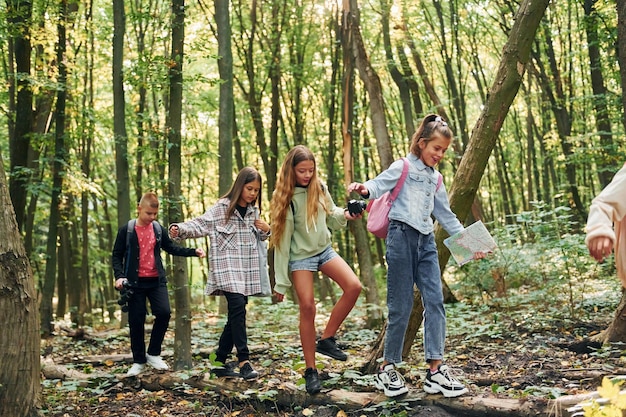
[{"x": 120, "y": 256}]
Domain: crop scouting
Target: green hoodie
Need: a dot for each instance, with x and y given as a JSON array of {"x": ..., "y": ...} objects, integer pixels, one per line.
[{"x": 301, "y": 241}]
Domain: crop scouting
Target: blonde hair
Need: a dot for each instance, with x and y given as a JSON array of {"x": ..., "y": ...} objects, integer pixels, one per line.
[
  {"x": 432, "y": 124},
  {"x": 149, "y": 199},
  {"x": 283, "y": 193}
]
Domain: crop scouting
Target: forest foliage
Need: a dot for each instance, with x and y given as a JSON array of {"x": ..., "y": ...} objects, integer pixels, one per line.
[{"x": 559, "y": 144}]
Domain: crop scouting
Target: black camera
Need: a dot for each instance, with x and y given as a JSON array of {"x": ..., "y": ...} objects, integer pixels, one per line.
[
  {"x": 356, "y": 207},
  {"x": 125, "y": 294}
]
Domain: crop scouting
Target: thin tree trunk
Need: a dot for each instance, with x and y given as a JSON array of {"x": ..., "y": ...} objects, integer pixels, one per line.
[
  {"x": 58, "y": 172},
  {"x": 397, "y": 76},
  {"x": 182, "y": 338},
  {"x": 621, "y": 53},
  {"x": 607, "y": 159},
  {"x": 19, "y": 15},
  {"x": 119, "y": 115},
  {"x": 349, "y": 29},
  {"x": 371, "y": 80}
]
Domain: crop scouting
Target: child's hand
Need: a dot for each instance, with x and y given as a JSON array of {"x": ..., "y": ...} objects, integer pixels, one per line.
[
  {"x": 200, "y": 253},
  {"x": 279, "y": 297},
  {"x": 349, "y": 216},
  {"x": 481, "y": 255},
  {"x": 359, "y": 188},
  {"x": 600, "y": 247},
  {"x": 173, "y": 231},
  {"x": 262, "y": 225}
]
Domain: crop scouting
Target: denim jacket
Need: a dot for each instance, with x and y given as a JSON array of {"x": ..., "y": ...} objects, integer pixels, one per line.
[{"x": 418, "y": 198}]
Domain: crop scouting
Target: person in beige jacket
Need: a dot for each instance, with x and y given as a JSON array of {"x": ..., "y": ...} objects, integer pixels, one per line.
[{"x": 606, "y": 226}]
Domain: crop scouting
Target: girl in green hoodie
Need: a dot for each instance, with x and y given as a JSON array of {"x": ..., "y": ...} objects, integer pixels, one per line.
[{"x": 302, "y": 211}]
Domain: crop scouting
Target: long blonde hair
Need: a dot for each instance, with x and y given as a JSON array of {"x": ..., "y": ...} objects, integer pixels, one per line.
[{"x": 283, "y": 193}]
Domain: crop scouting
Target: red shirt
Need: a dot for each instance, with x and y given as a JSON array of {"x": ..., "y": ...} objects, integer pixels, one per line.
[{"x": 147, "y": 241}]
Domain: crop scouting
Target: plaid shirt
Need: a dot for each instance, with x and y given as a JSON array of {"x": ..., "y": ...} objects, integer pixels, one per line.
[{"x": 233, "y": 255}]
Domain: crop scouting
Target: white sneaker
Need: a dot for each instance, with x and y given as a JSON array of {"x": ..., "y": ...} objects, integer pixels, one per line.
[
  {"x": 157, "y": 363},
  {"x": 136, "y": 369},
  {"x": 443, "y": 382},
  {"x": 390, "y": 381}
]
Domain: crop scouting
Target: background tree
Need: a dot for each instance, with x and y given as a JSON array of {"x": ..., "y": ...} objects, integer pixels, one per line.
[
  {"x": 58, "y": 173},
  {"x": 119, "y": 114},
  {"x": 21, "y": 128},
  {"x": 182, "y": 345}
]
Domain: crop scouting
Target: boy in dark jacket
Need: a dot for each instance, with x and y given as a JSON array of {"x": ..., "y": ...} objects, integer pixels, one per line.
[{"x": 138, "y": 267}]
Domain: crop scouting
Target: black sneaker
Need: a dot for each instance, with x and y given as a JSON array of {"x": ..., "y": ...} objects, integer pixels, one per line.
[
  {"x": 248, "y": 372},
  {"x": 313, "y": 385},
  {"x": 329, "y": 348},
  {"x": 226, "y": 370}
]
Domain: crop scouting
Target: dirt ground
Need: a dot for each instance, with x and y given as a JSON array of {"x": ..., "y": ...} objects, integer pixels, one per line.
[{"x": 499, "y": 356}]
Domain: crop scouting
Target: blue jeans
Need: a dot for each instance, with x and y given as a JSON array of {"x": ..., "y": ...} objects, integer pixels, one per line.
[{"x": 412, "y": 259}]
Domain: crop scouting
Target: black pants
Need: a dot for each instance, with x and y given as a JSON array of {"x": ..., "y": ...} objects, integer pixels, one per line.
[
  {"x": 234, "y": 333},
  {"x": 137, "y": 310}
]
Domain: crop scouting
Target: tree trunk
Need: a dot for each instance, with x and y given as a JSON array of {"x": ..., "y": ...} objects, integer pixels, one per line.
[
  {"x": 621, "y": 52},
  {"x": 553, "y": 88},
  {"x": 19, "y": 17},
  {"x": 226, "y": 104},
  {"x": 19, "y": 356},
  {"x": 119, "y": 115},
  {"x": 182, "y": 298},
  {"x": 371, "y": 80},
  {"x": 398, "y": 77},
  {"x": 616, "y": 332},
  {"x": 357, "y": 227},
  {"x": 58, "y": 172},
  {"x": 607, "y": 159}
]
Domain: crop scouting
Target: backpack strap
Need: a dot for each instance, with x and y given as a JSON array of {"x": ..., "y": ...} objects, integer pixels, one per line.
[
  {"x": 157, "y": 230},
  {"x": 439, "y": 182},
  {"x": 398, "y": 187},
  {"x": 130, "y": 229}
]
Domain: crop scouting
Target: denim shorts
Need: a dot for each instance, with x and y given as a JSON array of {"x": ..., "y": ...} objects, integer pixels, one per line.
[{"x": 314, "y": 262}]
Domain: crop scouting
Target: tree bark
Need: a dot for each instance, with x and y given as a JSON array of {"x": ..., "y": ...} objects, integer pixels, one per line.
[
  {"x": 19, "y": 356},
  {"x": 621, "y": 52},
  {"x": 349, "y": 29},
  {"x": 372, "y": 83},
  {"x": 19, "y": 17},
  {"x": 226, "y": 104},
  {"x": 616, "y": 332},
  {"x": 58, "y": 172},
  {"x": 182, "y": 298},
  {"x": 607, "y": 159},
  {"x": 122, "y": 176}
]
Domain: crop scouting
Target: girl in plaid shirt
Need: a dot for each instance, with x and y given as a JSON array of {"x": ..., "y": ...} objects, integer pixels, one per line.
[{"x": 232, "y": 225}]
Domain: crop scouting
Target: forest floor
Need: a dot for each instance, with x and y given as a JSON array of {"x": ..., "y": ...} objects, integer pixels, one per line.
[{"x": 530, "y": 345}]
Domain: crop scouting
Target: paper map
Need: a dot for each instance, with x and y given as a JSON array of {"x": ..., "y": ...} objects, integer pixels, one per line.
[{"x": 474, "y": 238}]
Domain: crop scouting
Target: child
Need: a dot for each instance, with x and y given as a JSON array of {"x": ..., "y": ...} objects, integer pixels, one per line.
[
  {"x": 232, "y": 225},
  {"x": 301, "y": 212},
  {"x": 412, "y": 257},
  {"x": 137, "y": 265},
  {"x": 606, "y": 225}
]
